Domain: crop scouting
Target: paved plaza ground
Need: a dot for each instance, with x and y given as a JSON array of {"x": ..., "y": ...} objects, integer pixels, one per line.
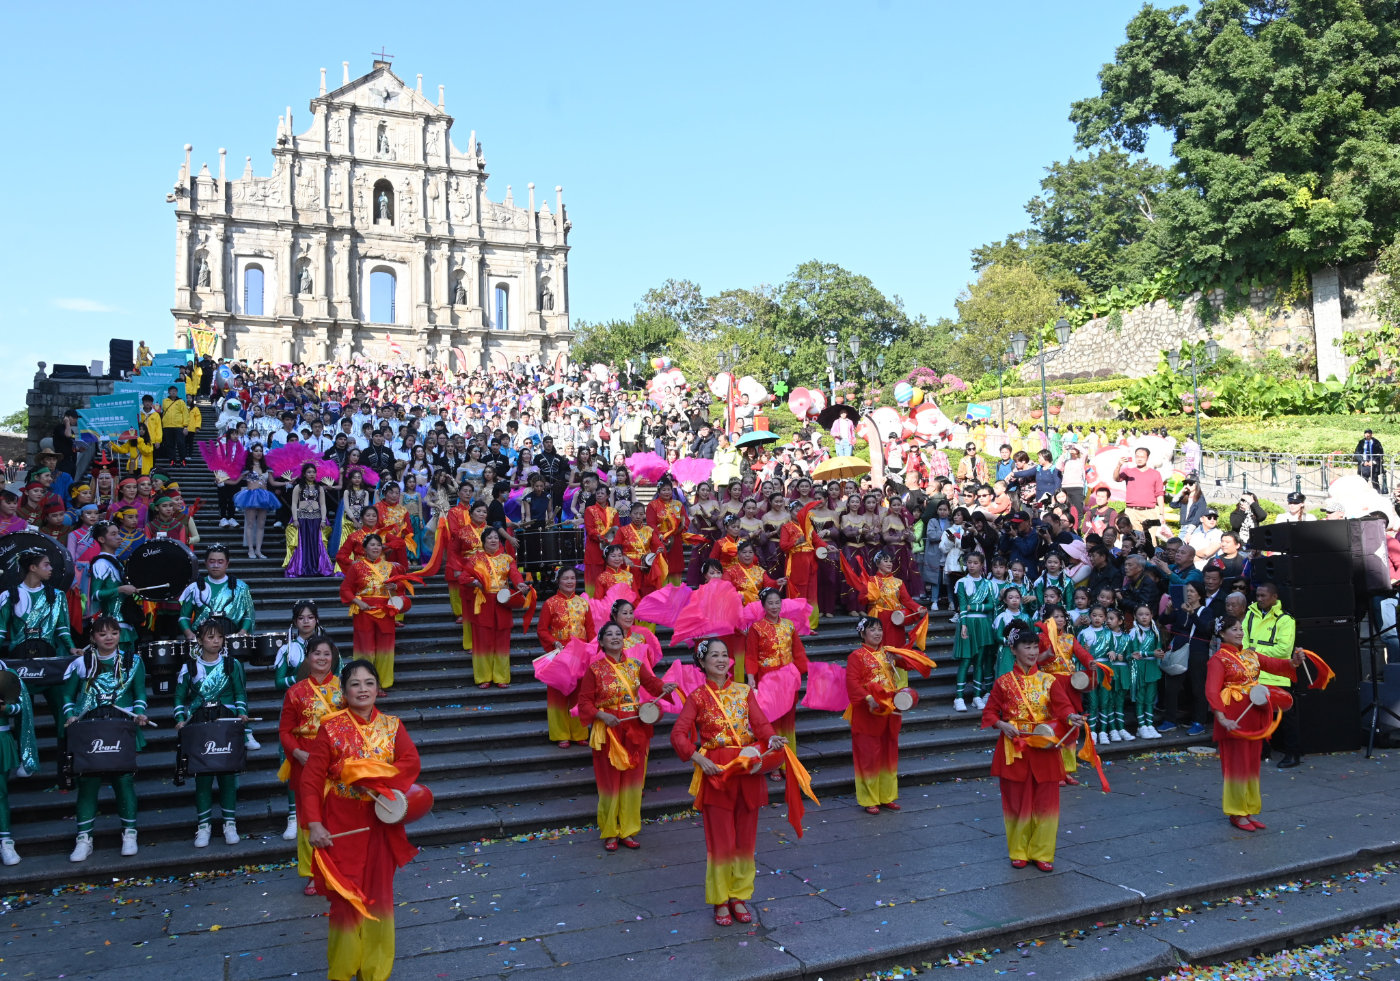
[{"x": 1145, "y": 876}]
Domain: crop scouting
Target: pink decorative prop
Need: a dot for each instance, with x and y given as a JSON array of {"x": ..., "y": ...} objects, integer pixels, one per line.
[
  {"x": 286, "y": 461},
  {"x": 371, "y": 478},
  {"x": 799, "y": 611},
  {"x": 692, "y": 469},
  {"x": 686, "y": 678},
  {"x": 646, "y": 468},
  {"x": 777, "y": 691},
  {"x": 223, "y": 457},
  {"x": 713, "y": 611},
  {"x": 328, "y": 471},
  {"x": 664, "y": 605},
  {"x": 826, "y": 687},
  {"x": 602, "y": 608}
]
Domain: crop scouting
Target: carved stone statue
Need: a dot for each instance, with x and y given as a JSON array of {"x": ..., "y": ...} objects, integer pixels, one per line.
[
  {"x": 304, "y": 278},
  {"x": 459, "y": 294},
  {"x": 546, "y": 300},
  {"x": 383, "y": 207},
  {"x": 381, "y": 145},
  {"x": 201, "y": 271}
]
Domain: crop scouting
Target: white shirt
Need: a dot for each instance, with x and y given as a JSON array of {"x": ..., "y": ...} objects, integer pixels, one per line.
[{"x": 1207, "y": 541}]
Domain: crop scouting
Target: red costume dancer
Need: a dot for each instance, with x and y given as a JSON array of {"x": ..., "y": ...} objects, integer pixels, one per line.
[
  {"x": 721, "y": 718},
  {"x": 450, "y": 530},
  {"x": 372, "y": 590},
  {"x": 666, "y": 515},
  {"x": 490, "y": 619},
  {"x": 747, "y": 576},
  {"x": 638, "y": 541},
  {"x": 462, "y": 549},
  {"x": 772, "y": 643},
  {"x": 883, "y": 594},
  {"x": 305, "y": 705},
  {"x": 353, "y": 547},
  {"x": 1059, "y": 652},
  {"x": 565, "y": 616},
  {"x": 1029, "y": 766},
  {"x": 608, "y": 698},
  {"x": 599, "y": 528},
  {"x": 726, "y": 548},
  {"x": 615, "y": 572},
  {"x": 1241, "y": 725},
  {"x": 358, "y": 751},
  {"x": 871, "y": 683},
  {"x": 799, "y": 542}
]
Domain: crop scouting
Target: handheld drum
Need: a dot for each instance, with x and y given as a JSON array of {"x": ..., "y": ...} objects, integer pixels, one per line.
[
  {"x": 503, "y": 595},
  {"x": 905, "y": 699},
  {"x": 1258, "y": 695},
  {"x": 649, "y": 713},
  {"x": 1079, "y": 681},
  {"x": 897, "y": 618}
]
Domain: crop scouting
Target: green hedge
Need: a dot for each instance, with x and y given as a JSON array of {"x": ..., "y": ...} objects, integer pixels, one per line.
[{"x": 1114, "y": 384}]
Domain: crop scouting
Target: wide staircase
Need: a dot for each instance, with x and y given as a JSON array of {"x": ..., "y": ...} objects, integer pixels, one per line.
[{"x": 485, "y": 754}]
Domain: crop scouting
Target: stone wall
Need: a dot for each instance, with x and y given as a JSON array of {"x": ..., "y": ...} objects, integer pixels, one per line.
[
  {"x": 1089, "y": 407},
  {"x": 49, "y": 398},
  {"x": 1135, "y": 346}
]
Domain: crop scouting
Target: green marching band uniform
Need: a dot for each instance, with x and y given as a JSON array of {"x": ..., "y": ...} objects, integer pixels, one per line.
[
  {"x": 206, "y": 691},
  {"x": 1105, "y": 704},
  {"x": 93, "y": 681},
  {"x": 40, "y": 612},
  {"x": 1146, "y": 670},
  {"x": 1061, "y": 582},
  {"x": 206, "y": 598},
  {"x": 106, "y": 594},
  {"x": 19, "y": 752},
  {"x": 976, "y": 601}
]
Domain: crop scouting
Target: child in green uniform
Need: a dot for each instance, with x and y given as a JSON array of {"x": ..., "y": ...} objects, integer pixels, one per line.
[
  {"x": 18, "y": 752},
  {"x": 1118, "y": 694},
  {"x": 211, "y": 687},
  {"x": 974, "y": 645},
  {"x": 1144, "y": 654},
  {"x": 1011, "y": 610},
  {"x": 1098, "y": 640}
]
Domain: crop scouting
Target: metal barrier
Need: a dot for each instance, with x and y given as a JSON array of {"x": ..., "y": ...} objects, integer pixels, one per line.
[{"x": 1276, "y": 475}]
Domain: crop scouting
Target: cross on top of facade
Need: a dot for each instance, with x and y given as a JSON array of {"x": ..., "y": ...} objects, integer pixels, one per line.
[{"x": 381, "y": 56}]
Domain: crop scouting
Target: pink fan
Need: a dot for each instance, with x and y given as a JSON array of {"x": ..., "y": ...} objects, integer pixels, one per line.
[
  {"x": 686, "y": 678},
  {"x": 558, "y": 670},
  {"x": 777, "y": 691},
  {"x": 646, "y": 468},
  {"x": 602, "y": 608},
  {"x": 826, "y": 687},
  {"x": 286, "y": 461},
  {"x": 692, "y": 469},
  {"x": 371, "y": 478},
  {"x": 328, "y": 472},
  {"x": 664, "y": 605},
  {"x": 224, "y": 459},
  {"x": 713, "y": 611},
  {"x": 799, "y": 611}
]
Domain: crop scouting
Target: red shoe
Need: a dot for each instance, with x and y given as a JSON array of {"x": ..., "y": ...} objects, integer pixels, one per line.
[
  {"x": 1019, "y": 863},
  {"x": 563, "y": 744},
  {"x": 1244, "y": 824},
  {"x": 1258, "y": 824},
  {"x": 484, "y": 684},
  {"x": 610, "y": 845},
  {"x": 1045, "y": 866},
  {"x": 740, "y": 911},
  {"x": 891, "y": 806},
  {"x": 872, "y": 810},
  {"x": 506, "y": 685},
  {"x": 631, "y": 842},
  {"x": 310, "y": 889},
  {"x": 722, "y": 917},
  {"x": 1070, "y": 781}
]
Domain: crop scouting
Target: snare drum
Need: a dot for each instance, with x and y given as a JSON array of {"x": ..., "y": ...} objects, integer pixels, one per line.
[
  {"x": 163, "y": 656},
  {"x": 102, "y": 746},
  {"x": 243, "y": 648},
  {"x": 265, "y": 648},
  {"x": 649, "y": 713},
  {"x": 1079, "y": 681},
  {"x": 214, "y": 747},
  {"x": 42, "y": 672},
  {"x": 905, "y": 699}
]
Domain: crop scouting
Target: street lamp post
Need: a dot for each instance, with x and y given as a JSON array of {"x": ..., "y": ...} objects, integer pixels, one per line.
[
  {"x": 1018, "y": 346},
  {"x": 1174, "y": 361},
  {"x": 831, "y": 364},
  {"x": 1001, "y": 399}
]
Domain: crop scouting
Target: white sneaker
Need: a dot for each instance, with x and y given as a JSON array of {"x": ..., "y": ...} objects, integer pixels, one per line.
[
  {"x": 82, "y": 849},
  {"x": 250, "y": 741},
  {"x": 979, "y": 703},
  {"x": 291, "y": 833},
  {"x": 1114, "y": 736},
  {"x": 1126, "y": 736},
  {"x": 959, "y": 705},
  {"x": 201, "y": 836},
  {"x": 8, "y": 855},
  {"x": 1100, "y": 738},
  {"x": 1148, "y": 732},
  {"x": 129, "y": 842},
  {"x": 231, "y": 833}
]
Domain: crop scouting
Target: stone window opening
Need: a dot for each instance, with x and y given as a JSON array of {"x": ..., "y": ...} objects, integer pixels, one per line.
[
  {"x": 253, "y": 290},
  {"x": 382, "y": 287},
  {"x": 502, "y": 321}
]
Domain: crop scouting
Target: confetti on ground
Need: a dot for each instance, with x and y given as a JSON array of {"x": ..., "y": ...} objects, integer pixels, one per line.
[{"x": 1317, "y": 961}]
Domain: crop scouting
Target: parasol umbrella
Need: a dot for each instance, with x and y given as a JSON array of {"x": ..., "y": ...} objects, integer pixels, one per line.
[
  {"x": 556, "y": 387},
  {"x": 831, "y": 413},
  {"x": 840, "y": 468},
  {"x": 692, "y": 469},
  {"x": 756, "y": 437}
]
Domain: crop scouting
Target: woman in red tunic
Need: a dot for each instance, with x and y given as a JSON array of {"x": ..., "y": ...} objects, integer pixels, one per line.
[
  {"x": 358, "y": 750},
  {"x": 491, "y": 571},
  {"x": 1030, "y": 774},
  {"x": 667, "y": 517},
  {"x": 1241, "y": 726},
  {"x": 377, "y": 603},
  {"x": 772, "y": 644},
  {"x": 599, "y": 529},
  {"x": 799, "y": 542},
  {"x": 747, "y": 575},
  {"x": 616, "y": 572},
  {"x": 565, "y": 616},
  {"x": 608, "y": 699},
  {"x": 884, "y": 593},
  {"x": 304, "y": 706},
  {"x": 353, "y": 547},
  {"x": 871, "y": 683},
  {"x": 720, "y": 719}
]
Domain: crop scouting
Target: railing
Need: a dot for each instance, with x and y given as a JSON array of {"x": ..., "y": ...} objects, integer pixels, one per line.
[{"x": 1275, "y": 475}]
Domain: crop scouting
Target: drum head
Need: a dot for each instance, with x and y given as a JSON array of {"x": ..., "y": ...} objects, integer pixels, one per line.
[
  {"x": 161, "y": 569},
  {"x": 897, "y": 618},
  {"x": 503, "y": 595},
  {"x": 1079, "y": 681},
  {"x": 1259, "y": 694},
  {"x": 649, "y": 560},
  {"x": 821, "y": 552},
  {"x": 649, "y": 713},
  {"x": 13, "y": 545},
  {"x": 391, "y": 808},
  {"x": 903, "y": 700},
  {"x": 750, "y": 752}
]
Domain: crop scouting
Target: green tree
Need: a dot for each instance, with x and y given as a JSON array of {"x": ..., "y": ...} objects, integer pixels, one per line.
[
  {"x": 1284, "y": 119},
  {"x": 614, "y": 342},
  {"x": 1004, "y": 300},
  {"x": 679, "y": 299}
]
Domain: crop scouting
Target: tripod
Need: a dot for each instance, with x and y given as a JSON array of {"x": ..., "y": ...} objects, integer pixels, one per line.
[{"x": 1377, "y": 707}]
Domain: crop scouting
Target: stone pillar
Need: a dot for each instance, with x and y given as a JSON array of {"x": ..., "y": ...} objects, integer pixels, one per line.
[
  {"x": 1327, "y": 324},
  {"x": 183, "y": 266}
]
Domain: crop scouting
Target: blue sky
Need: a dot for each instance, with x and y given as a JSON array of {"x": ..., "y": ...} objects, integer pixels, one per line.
[{"x": 724, "y": 142}]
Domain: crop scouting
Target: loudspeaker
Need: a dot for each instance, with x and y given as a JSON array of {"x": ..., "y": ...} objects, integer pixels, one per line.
[
  {"x": 1330, "y": 721},
  {"x": 121, "y": 356},
  {"x": 1302, "y": 537},
  {"x": 69, "y": 371},
  {"x": 1315, "y": 601},
  {"x": 1304, "y": 570},
  {"x": 1370, "y": 556}
]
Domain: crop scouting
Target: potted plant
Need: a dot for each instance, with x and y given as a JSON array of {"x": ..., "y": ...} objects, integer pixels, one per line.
[{"x": 1057, "y": 400}]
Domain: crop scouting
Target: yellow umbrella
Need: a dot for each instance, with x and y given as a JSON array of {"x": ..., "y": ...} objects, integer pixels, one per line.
[{"x": 841, "y": 467}]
